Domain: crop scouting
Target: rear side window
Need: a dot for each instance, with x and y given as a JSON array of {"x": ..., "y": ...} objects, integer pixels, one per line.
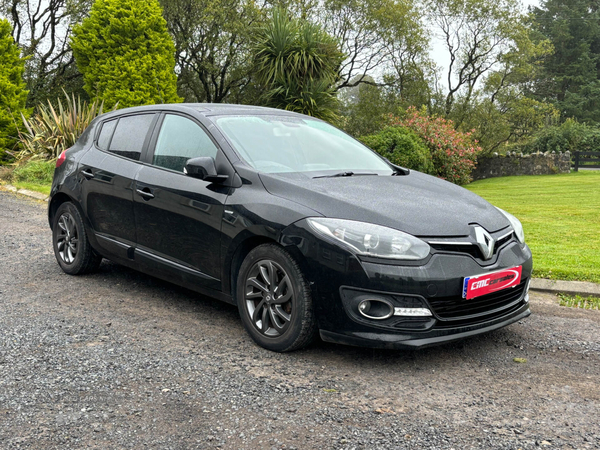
[
  {"x": 129, "y": 136},
  {"x": 181, "y": 139},
  {"x": 106, "y": 133}
]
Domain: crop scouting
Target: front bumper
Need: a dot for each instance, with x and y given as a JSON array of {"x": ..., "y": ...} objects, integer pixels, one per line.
[
  {"x": 338, "y": 275},
  {"x": 421, "y": 340}
]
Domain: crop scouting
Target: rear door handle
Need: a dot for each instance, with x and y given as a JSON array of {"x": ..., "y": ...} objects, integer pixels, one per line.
[
  {"x": 146, "y": 193},
  {"x": 87, "y": 173}
]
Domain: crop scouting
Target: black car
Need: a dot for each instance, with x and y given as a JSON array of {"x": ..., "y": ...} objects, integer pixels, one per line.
[{"x": 302, "y": 227}]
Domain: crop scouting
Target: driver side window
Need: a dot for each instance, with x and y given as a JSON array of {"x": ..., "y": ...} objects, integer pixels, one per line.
[{"x": 179, "y": 140}]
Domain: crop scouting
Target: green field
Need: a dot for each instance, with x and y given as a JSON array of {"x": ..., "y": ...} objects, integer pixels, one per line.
[{"x": 561, "y": 217}]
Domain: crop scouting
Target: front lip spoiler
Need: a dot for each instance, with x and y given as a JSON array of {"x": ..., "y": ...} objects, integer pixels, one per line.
[{"x": 414, "y": 341}]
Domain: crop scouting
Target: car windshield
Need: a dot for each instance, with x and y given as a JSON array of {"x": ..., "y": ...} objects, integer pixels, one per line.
[{"x": 280, "y": 144}]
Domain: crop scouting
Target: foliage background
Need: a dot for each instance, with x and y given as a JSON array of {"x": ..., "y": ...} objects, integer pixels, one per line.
[
  {"x": 13, "y": 94},
  {"x": 401, "y": 146},
  {"x": 516, "y": 80},
  {"x": 125, "y": 53}
]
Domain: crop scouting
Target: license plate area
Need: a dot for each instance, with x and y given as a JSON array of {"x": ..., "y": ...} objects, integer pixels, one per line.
[{"x": 488, "y": 283}]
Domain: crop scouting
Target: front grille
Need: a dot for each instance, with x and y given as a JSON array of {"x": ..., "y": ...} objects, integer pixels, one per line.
[
  {"x": 500, "y": 242},
  {"x": 470, "y": 248},
  {"x": 467, "y": 248},
  {"x": 459, "y": 309}
]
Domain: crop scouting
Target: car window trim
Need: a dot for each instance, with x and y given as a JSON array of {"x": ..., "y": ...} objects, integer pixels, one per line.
[
  {"x": 99, "y": 129},
  {"x": 148, "y": 153},
  {"x": 147, "y": 138}
]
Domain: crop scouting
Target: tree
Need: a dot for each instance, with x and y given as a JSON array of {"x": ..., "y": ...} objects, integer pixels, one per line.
[
  {"x": 298, "y": 64},
  {"x": 385, "y": 44},
  {"x": 478, "y": 36},
  {"x": 493, "y": 56},
  {"x": 212, "y": 42},
  {"x": 41, "y": 29},
  {"x": 364, "y": 108},
  {"x": 12, "y": 90},
  {"x": 571, "y": 75},
  {"x": 500, "y": 111},
  {"x": 125, "y": 54}
]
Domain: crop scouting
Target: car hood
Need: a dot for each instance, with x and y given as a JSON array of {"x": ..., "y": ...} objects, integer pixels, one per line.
[{"x": 418, "y": 204}]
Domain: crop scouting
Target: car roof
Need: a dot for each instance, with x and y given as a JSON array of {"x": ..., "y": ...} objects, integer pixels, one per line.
[{"x": 206, "y": 109}]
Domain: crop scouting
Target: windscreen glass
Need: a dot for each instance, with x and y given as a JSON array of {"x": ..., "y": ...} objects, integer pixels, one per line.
[{"x": 279, "y": 144}]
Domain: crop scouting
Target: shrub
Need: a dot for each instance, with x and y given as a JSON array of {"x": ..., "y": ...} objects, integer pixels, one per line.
[
  {"x": 402, "y": 147},
  {"x": 568, "y": 136},
  {"x": 52, "y": 130},
  {"x": 453, "y": 153},
  {"x": 35, "y": 171},
  {"x": 125, "y": 53},
  {"x": 12, "y": 91}
]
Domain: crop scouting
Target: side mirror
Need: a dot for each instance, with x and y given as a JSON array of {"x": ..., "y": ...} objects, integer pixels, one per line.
[{"x": 203, "y": 168}]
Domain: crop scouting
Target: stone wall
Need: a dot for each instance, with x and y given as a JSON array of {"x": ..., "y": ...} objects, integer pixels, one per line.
[{"x": 519, "y": 164}]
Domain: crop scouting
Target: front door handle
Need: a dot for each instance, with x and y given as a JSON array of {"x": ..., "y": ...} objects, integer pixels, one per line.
[
  {"x": 87, "y": 173},
  {"x": 146, "y": 193}
]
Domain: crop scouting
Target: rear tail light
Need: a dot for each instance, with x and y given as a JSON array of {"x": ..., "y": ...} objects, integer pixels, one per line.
[{"x": 61, "y": 159}]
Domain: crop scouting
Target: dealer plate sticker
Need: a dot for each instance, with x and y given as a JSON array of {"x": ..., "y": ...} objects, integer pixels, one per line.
[{"x": 491, "y": 282}]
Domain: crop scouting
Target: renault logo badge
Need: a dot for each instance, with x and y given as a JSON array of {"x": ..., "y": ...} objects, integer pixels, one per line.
[{"x": 485, "y": 242}]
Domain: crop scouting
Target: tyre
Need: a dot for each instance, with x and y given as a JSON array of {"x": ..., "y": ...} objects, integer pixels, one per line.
[
  {"x": 274, "y": 300},
  {"x": 72, "y": 249}
]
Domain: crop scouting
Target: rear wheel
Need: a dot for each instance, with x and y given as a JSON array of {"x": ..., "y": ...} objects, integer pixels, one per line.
[
  {"x": 72, "y": 249},
  {"x": 274, "y": 300}
]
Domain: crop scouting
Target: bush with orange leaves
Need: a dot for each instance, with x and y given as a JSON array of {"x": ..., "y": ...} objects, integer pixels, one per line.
[{"x": 453, "y": 152}]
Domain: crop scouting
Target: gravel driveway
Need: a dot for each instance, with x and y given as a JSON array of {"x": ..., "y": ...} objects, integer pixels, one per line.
[{"x": 118, "y": 359}]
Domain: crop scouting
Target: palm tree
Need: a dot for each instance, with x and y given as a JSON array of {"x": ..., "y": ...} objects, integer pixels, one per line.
[{"x": 298, "y": 65}]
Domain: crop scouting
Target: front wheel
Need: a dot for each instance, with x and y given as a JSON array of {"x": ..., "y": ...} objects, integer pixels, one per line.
[
  {"x": 274, "y": 300},
  {"x": 72, "y": 249}
]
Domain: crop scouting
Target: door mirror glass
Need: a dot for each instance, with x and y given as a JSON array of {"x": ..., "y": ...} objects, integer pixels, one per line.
[{"x": 203, "y": 168}]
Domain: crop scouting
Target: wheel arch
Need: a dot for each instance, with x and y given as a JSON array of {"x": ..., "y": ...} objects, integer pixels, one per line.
[
  {"x": 55, "y": 203},
  {"x": 245, "y": 247}
]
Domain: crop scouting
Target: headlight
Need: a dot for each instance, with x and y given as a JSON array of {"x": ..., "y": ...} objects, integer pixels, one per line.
[
  {"x": 371, "y": 240},
  {"x": 515, "y": 224}
]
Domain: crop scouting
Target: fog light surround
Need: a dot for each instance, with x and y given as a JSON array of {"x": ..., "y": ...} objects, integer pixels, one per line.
[
  {"x": 376, "y": 309},
  {"x": 387, "y": 310}
]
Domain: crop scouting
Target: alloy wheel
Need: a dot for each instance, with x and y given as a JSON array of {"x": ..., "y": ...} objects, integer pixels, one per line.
[
  {"x": 269, "y": 298},
  {"x": 67, "y": 240}
]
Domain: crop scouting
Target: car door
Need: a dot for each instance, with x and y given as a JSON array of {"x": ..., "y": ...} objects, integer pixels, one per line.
[
  {"x": 178, "y": 218},
  {"x": 106, "y": 176}
]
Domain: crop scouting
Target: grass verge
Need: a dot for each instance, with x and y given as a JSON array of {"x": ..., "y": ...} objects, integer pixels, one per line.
[
  {"x": 35, "y": 175},
  {"x": 561, "y": 218},
  {"x": 576, "y": 301},
  {"x": 43, "y": 188}
]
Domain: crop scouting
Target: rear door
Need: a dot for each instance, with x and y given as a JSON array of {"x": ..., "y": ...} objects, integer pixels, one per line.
[
  {"x": 107, "y": 174},
  {"x": 178, "y": 218}
]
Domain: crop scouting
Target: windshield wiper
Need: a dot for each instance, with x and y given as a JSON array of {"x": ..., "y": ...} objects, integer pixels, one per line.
[{"x": 344, "y": 174}]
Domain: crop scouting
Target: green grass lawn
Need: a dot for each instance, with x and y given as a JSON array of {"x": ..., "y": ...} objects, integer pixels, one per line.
[{"x": 561, "y": 217}]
